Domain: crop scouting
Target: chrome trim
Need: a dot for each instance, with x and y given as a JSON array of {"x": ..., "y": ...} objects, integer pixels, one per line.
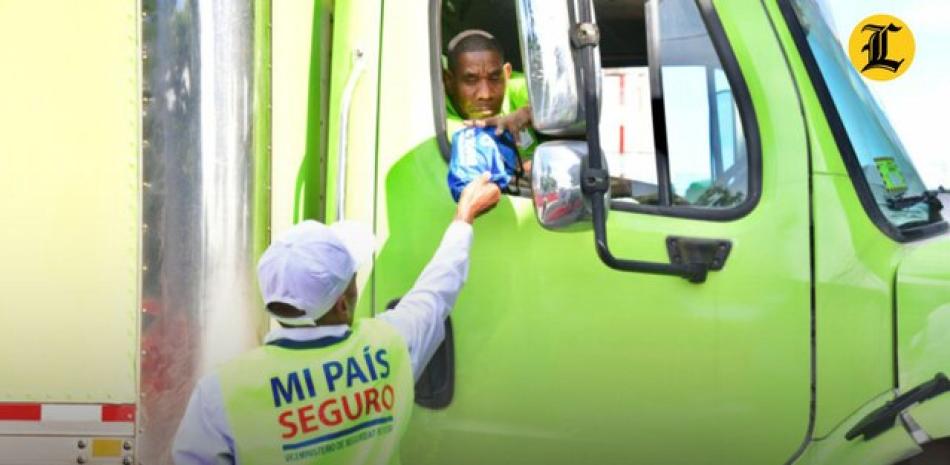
[
  {"x": 199, "y": 292},
  {"x": 559, "y": 200},
  {"x": 359, "y": 65},
  {"x": 551, "y": 66},
  {"x": 652, "y": 16},
  {"x": 910, "y": 425}
]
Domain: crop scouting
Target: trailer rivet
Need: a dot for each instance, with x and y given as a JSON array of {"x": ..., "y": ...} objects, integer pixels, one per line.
[
  {"x": 127, "y": 445},
  {"x": 81, "y": 444},
  {"x": 80, "y": 459},
  {"x": 126, "y": 460}
]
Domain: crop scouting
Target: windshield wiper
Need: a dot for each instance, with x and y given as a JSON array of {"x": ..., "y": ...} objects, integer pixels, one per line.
[{"x": 928, "y": 197}]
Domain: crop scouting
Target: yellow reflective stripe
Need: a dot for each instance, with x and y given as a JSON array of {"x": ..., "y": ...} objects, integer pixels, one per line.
[{"x": 106, "y": 447}]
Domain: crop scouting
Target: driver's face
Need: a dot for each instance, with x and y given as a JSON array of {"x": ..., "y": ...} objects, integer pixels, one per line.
[{"x": 477, "y": 84}]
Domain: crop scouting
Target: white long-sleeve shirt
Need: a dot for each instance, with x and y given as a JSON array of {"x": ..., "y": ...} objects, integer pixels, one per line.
[{"x": 204, "y": 436}]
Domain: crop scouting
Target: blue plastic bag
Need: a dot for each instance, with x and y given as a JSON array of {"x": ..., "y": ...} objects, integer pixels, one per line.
[{"x": 479, "y": 150}]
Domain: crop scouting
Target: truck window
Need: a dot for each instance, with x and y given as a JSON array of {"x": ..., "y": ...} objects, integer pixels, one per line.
[
  {"x": 889, "y": 185},
  {"x": 496, "y": 20},
  {"x": 708, "y": 167},
  {"x": 708, "y": 162}
]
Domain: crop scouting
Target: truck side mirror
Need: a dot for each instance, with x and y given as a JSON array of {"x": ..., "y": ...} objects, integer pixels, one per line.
[
  {"x": 557, "y": 168},
  {"x": 550, "y": 65}
]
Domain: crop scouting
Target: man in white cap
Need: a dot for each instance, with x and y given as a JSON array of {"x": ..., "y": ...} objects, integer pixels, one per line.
[{"x": 324, "y": 389}]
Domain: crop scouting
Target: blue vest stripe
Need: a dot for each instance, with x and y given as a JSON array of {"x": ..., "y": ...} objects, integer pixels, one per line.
[
  {"x": 311, "y": 344},
  {"x": 337, "y": 434}
]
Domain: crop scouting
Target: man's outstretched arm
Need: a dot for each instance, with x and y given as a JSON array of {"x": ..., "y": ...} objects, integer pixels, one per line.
[{"x": 420, "y": 314}]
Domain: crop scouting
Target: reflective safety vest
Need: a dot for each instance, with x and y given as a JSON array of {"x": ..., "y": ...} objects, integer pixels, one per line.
[{"x": 334, "y": 400}]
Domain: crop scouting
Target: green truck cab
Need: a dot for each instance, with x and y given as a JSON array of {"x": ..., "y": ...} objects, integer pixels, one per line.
[
  {"x": 806, "y": 326},
  {"x": 773, "y": 287}
]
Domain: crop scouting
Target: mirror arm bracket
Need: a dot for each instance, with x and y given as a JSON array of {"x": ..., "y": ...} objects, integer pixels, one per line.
[
  {"x": 595, "y": 181},
  {"x": 694, "y": 271},
  {"x": 710, "y": 253}
]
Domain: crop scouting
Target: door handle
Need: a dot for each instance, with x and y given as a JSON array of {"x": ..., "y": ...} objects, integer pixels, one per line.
[{"x": 359, "y": 65}]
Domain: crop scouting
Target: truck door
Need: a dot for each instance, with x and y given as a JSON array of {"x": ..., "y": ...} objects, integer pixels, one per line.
[{"x": 561, "y": 359}]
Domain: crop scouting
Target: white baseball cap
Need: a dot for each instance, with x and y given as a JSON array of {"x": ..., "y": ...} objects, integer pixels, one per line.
[{"x": 311, "y": 264}]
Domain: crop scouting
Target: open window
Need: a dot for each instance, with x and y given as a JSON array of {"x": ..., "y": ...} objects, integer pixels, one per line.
[
  {"x": 497, "y": 18},
  {"x": 680, "y": 142}
]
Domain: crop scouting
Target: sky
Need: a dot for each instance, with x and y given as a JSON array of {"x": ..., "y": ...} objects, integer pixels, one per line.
[{"x": 917, "y": 101}]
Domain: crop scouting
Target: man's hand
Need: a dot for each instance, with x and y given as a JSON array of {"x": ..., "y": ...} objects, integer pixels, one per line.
[
  {"x": 512, "y": 122},
  {"x": 478, "y": 197}
]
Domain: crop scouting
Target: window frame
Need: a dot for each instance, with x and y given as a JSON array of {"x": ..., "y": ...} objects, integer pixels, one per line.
[
  {"x": 435, "y": 77},
  {"x": 843, "y": 140},
  {"x": 740, "y": 92}
]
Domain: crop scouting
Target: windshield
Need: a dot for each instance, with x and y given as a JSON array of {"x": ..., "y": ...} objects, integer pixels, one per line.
[{"x": 885, "y": 167}]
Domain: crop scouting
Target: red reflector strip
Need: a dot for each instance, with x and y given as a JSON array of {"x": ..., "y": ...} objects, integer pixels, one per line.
[
  {"x": 21, "y": 412},
  {"x": 118, "y": 412}
]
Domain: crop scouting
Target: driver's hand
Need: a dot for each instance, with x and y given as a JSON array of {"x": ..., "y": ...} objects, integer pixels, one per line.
[
  {"x": 512, "y": 122},
  {"x": 478, "y": 197}
]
